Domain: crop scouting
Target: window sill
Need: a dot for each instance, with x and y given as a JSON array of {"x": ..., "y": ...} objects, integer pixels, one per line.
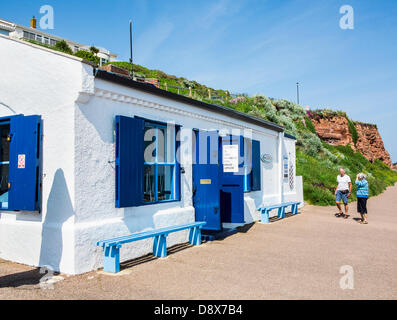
[{"x": 158, "y": 203}]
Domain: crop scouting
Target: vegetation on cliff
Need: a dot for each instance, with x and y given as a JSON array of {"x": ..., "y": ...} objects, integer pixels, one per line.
[{"x": 316, "y": 161}]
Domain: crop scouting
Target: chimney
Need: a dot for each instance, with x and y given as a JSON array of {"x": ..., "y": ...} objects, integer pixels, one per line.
[{"x": 33, "y": 23}]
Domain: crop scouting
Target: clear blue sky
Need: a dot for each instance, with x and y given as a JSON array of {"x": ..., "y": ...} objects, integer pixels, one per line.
[{"x": 253, "y": 46}]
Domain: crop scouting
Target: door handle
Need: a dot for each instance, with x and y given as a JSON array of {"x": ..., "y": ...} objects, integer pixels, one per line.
[{"x": 216, "y": 210}]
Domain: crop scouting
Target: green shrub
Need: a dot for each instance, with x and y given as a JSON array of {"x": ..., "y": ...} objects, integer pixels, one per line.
[
  {"x": 63, "y": 46},
  {"x": 87, "y": 55},
  {"x": 353, "y": 131},
  {"x": 309, "y": 125},
  {"x": 312, "y": 143},
  {"x": 94, "y": 50}
]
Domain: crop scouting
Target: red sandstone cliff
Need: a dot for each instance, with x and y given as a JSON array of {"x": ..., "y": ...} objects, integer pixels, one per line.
[
  {"x": 335, "y": 131},
  {"x": 370, "y": 143}
]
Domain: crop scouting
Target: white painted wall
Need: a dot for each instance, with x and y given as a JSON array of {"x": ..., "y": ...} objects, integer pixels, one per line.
[
  {"x": 37, "y": 81},
  {"x": 96, "y": 215},
  {"x": 78, "y": 153}
]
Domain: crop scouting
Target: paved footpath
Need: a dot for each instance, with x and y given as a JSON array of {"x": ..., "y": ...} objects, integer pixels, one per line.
[{"x": 297, "y": 258}]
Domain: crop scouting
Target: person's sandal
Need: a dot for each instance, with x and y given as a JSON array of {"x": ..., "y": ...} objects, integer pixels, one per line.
[
  {"x": 346, "y": 216},
  {"x": 338, "y": 215}
]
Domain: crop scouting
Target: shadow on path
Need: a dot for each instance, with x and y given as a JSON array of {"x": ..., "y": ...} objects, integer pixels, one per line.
[{"x": 26, "y": 278}]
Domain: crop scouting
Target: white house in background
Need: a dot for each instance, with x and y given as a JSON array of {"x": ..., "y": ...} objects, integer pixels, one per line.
[
  {"x": 88, "y": 155},
  {"x": 31, "y": 33}
]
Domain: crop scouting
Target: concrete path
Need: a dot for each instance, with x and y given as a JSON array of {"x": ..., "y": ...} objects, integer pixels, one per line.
[{"x": 297, "y": 258}]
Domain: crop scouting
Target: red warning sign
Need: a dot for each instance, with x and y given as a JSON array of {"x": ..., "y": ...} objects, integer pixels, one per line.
[{"x": 21, "y": 161}]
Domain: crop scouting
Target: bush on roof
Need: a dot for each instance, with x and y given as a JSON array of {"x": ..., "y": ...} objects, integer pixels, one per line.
[
  {"x": 63, "y": 46},
  {"x": 87, "y": 55}
]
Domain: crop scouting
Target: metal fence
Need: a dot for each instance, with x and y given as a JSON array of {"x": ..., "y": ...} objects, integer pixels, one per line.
[{"x": 194, "y": 93}]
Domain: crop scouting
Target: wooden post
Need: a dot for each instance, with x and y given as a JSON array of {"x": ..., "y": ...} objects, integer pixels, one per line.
[
  {"x": 209, "y": 93},
  {"x": 190, "y": 92},
  {"x": 166, "y": 86}
]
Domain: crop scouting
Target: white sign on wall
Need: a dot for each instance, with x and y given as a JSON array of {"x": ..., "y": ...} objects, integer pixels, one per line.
[
  {"x": 230, "y": 158},
  {"x": 286, "y": 171}
]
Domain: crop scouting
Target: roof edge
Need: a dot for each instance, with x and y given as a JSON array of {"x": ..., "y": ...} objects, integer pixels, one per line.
[
  {"x": 290, "y": 136},
  {"x": 48, "y": 50},
  {"x": 113, "y": 77}
]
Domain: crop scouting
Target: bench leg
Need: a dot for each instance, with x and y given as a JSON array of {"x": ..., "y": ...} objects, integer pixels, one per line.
[
  {"x": 281, "y": 212},
  {"x": 111, "y": 261},
  {"x": 265, "y": 216},
  {"x": 296, "y": 209},
  {"x": 160, "y": 246},
  {"x": 195, "y": 236}
]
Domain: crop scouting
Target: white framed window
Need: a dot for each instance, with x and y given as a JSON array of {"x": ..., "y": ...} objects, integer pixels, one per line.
[
  {"x": 29, "y": 36},
  {"x": 103, "y": 61},
  {"x": 160, "y": 163}
]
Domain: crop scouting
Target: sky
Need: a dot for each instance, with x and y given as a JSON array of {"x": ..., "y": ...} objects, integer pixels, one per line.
[{"x": 251, "y": 46}]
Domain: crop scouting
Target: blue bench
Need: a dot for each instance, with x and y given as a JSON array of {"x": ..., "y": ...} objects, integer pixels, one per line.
[
  {"x": 111, "y": 247},
  {"x": 265, "y": 210}
]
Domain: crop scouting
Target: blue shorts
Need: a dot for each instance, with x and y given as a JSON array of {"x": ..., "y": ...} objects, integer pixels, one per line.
[{"x": 342, "y": 197}]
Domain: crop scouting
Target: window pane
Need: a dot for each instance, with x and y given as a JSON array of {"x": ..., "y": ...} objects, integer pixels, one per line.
[
  {"x": 165, "y": 183},
  {"x": 150, "y": 144},
  {"x": 162, "y": 145},
  {"x": 166, "y": 144},
  {"x": 149, "y": 184},
  {"x": 247, "y": 164}
]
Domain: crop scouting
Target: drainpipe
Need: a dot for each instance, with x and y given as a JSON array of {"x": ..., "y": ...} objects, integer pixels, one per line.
[{"x": 280, "y": 167}]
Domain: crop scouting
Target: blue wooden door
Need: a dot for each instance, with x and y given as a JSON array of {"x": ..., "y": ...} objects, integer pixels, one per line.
[
  {"x": 206, "y": 179},
  {"x": 232, "y": 179}
]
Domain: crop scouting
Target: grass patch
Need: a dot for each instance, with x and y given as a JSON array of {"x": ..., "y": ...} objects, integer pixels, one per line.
[{"x": 319, "y": 173}]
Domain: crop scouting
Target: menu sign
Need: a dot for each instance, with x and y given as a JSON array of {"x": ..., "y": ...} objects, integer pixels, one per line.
[{"x": 230, "y": 158}]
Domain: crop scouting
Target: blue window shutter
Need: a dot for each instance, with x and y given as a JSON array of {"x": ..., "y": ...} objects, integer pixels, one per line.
[
  {"x": 25, "y": 163},
  {"x": 256, "y": 165},
  {"x": 129, "y": 161}
]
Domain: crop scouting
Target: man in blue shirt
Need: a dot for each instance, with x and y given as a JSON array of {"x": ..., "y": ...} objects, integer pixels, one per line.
[{"x": 362, "y": 196}]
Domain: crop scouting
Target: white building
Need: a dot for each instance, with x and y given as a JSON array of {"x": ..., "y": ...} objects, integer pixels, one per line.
[
  {"x": 31, "y": 33},
  {"x": 75, "y": 169}
]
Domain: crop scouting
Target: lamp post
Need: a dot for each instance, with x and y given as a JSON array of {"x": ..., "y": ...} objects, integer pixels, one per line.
[
  {"x": 131, "y": 61},
  {"x": 297, "y": 92}
]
